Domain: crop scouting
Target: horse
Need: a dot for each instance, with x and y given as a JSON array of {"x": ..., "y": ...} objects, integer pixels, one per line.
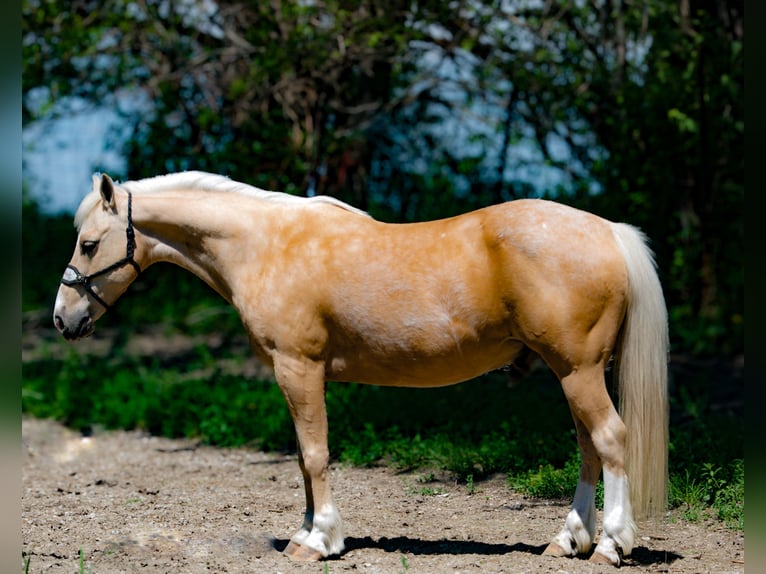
[{"x": 328, "y": 293}]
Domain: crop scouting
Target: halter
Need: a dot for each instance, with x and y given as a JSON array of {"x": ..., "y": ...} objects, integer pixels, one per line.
[{"x": 85, "y": 280}]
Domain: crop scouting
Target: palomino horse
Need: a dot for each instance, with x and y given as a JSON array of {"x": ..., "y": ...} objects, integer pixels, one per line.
[{"x": 328, "y": 293}]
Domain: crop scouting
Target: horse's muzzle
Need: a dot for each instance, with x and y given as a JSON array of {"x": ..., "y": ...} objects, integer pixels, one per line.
[{"x": 83, "y": 329}]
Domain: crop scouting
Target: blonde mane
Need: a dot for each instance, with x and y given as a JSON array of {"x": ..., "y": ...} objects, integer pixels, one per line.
[
  {"x": 203, "y": 181},
  {"x": 85, "y": 207}
]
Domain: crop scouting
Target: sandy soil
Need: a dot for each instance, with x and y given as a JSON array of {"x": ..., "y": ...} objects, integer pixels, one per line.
[{"x": 134, "y": 503}]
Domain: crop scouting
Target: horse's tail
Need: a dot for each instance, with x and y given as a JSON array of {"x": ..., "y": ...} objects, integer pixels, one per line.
[{"x": 642, "y": 372}]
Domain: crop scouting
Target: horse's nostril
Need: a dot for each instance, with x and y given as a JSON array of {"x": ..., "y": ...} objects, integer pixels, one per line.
[
  {"x": 84, "y": 325},
  {"x": 59, "y": 322}
]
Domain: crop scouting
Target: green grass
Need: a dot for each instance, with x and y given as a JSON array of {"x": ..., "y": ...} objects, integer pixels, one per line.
[
  {"x": 547, "y": 481},
  {"x": 26, "y": 560},
  {"x": 469, "y": 431},
  {"x": 711, "y": 491},
  {"x": 82, "y": 563},
  {"x": 137, "y": 394}
]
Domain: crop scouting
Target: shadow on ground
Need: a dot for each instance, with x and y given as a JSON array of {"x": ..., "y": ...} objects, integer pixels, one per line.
[{"x": 406, "y": 545}]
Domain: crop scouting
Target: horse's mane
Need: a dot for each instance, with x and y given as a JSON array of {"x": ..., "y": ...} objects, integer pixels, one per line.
[{"x": 203, "y": 181}]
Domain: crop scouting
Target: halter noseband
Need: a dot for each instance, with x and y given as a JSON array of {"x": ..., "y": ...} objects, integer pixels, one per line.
[{"x": 85, "y": 280}]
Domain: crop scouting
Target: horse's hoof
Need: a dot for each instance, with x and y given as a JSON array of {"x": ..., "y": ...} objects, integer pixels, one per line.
[
  {"x": 598, "y": 558},
  {"x": 554, "y": 549},
  {"x": 301, "y": 553}
]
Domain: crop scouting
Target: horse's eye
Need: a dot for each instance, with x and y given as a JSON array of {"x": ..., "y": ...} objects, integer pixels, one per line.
[{"x": 88, "y": 247}]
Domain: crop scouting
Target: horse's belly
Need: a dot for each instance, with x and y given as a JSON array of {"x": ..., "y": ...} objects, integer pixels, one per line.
[{"x": 406, "y": 367}]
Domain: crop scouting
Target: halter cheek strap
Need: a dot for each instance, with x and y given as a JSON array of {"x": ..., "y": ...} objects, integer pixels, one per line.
[{"x": 73, "y": 278}]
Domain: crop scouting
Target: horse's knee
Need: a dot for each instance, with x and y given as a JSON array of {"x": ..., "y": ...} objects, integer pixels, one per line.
[{"x": 315, "y": 459}]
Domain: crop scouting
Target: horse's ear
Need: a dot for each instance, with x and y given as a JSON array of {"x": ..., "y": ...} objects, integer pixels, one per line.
[{"x": 106, "y": 187}]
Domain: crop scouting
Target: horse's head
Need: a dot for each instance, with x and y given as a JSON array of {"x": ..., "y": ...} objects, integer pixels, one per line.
[{"x": 103, "y": 264}]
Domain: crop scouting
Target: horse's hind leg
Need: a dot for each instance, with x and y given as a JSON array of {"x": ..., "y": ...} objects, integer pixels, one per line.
[
  {"x": 580, "y": 525},
  {"x": 601, "y": 434}
]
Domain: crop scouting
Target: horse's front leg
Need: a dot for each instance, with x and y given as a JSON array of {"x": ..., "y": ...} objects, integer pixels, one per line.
[{"x": 303, "y": 385}]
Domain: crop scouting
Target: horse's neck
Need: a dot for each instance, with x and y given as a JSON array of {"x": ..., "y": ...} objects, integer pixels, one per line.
[{"x": 199, "y": 232}]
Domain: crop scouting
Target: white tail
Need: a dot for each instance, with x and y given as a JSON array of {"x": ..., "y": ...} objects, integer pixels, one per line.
[{"x": 642, "y": 372}]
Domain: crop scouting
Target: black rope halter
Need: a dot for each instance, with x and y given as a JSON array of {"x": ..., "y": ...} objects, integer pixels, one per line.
[{"x": 77, "y": 279}]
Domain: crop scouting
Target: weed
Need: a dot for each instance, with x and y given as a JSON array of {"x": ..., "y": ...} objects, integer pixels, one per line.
[
  {"x": 730, "y": 498},
  {"x": 547, "y": 481},
  {"x": 470, "y": 486},
  {"x": 711, "y": 490},
  {"x": 405, "y": 563},
  {"x": 366, "y": 450},
  {"x": 426, "y": 478},
  {"x": 82, "y": 564},
  {"x": 686, "y": 492},
  {"x": 426, "y": 490}
]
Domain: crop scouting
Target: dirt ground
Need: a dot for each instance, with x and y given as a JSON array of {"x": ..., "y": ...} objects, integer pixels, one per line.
[{"x": 135, "y": 503}]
